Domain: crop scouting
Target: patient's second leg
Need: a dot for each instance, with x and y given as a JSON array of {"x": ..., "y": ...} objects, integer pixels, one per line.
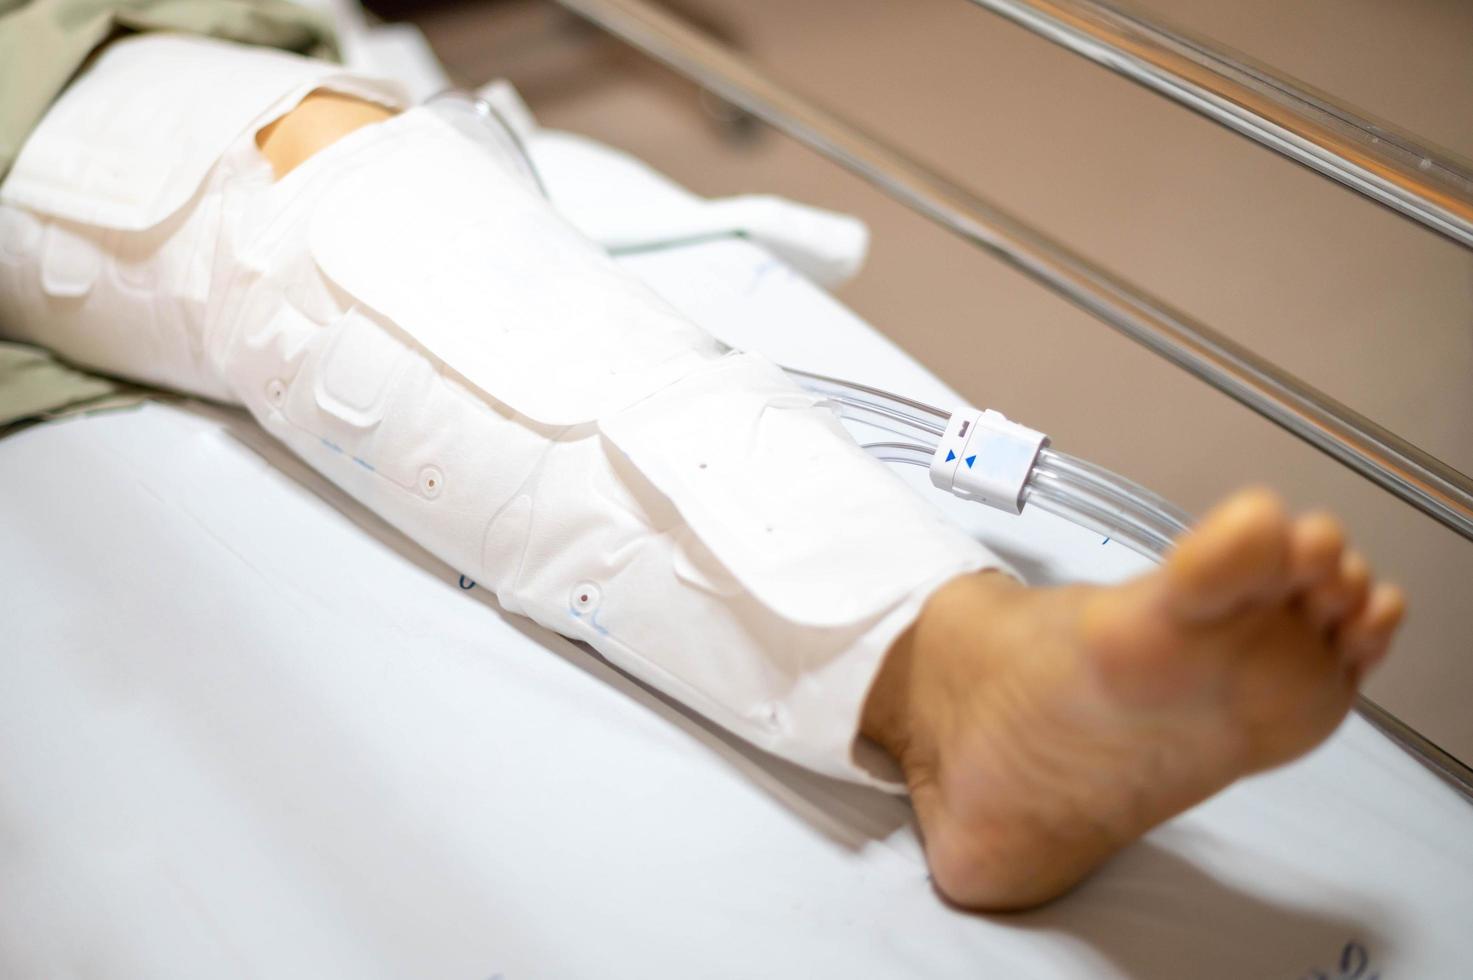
[{"x": 1040, "y": 730}]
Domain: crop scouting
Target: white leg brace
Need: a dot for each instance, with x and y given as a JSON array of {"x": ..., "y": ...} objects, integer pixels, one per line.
[{"x": 417, "y": 324}]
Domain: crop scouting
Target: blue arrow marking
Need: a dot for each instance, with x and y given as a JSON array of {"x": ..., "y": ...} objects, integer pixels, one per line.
[
  {"x": 950, "y": 455},
  {"x": 970, "y": 461}
]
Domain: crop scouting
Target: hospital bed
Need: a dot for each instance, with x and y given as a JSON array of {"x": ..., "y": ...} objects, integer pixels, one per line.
[{"x": 250, "y": 730}]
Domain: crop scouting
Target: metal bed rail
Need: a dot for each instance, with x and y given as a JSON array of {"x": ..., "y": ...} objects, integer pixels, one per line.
[
  {"x": 1379, "y": 455},
  {"x": 1426, "y": 183}
]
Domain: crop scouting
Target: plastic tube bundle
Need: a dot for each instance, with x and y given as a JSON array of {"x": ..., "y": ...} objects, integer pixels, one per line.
[
  {"x": 1067, "y": 486},
  {"x": 1103, "y": 501}
]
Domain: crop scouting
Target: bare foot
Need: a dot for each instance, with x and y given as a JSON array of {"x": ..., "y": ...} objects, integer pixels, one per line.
[{"x": 1040, "y": 730}]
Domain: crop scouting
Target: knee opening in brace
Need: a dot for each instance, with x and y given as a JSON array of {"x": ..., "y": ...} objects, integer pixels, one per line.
[{"x": 321, "y": 119}]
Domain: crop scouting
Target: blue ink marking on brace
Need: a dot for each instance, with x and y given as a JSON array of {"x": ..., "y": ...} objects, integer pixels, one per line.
[
  {"x": 950, "y": 455},
  {"x": 467, "y": 583},
  {"x": 363, "y": 463},
  {"x": 592, "y": 620},
  {"x": 1104, "y": 542},
  {"x": 330, "y": 444},
  {"x": 771, "y": 265},
  {"x": 970, "y": 461}
]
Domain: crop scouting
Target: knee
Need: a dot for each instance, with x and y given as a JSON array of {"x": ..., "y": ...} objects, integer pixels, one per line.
[{"x": 318, "y": 121}]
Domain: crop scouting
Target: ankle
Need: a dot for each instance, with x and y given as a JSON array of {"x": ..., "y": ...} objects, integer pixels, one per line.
[
  {"x": 906, "y": 701},
  {"x": 886, "y": 716}
]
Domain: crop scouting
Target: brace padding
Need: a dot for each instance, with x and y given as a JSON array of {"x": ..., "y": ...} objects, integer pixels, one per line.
[{"x": 415, "y": 323}]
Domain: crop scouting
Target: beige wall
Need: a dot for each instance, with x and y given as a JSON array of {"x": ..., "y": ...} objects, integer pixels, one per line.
[{"x": 1368, "y": 306}]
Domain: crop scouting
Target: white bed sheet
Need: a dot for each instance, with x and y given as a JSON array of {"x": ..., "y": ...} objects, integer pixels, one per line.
[{"x": 248, "y": 730}]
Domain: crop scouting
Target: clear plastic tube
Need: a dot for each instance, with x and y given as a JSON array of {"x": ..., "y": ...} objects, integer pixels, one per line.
[
  {"x": 1066, "y": 464},
  {"x": 878, "y": 415},
  {"x": 1076, "y": 483},
  {"x": 1107, "y": 497},
  {"x": 872, "y": 404},
  {"x": 1056, "y": 497},
  {"x": 900, "y": 452},
  {"x": 1086, "y": 518},
  {"x": 480, "y": 120},
  {"x": 1061, "y": 484}
]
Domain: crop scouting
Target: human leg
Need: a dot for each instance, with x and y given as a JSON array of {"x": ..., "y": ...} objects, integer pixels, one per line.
[{"x": 1039, "y": 729}]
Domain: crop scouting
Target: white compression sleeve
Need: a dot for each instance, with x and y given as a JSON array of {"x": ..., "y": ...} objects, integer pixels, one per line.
[{"x": 418, "y": 325}]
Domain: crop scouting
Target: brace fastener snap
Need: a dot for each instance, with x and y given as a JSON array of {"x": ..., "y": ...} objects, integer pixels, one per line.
[{"x": 585, "y": 597}]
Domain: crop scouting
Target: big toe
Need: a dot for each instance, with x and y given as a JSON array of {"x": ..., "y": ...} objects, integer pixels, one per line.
[{"x": 1240, "y": 553}]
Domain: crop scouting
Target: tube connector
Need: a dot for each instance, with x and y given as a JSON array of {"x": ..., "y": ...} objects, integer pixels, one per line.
[{"x": 985, "y": 457}]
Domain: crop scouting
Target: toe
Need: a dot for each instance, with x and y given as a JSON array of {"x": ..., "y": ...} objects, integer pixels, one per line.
[
  {"x": 1340, "y": 597},
  {"x": 1316, "y": 544},
  {"x": 1365, "y": 638},
  {"x": 1238, "y": 554}
]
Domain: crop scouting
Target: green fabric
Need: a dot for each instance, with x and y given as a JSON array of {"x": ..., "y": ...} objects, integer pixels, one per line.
[
  {"x": 43, "y": 43},
  {"x": 35, "y": 385}
]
